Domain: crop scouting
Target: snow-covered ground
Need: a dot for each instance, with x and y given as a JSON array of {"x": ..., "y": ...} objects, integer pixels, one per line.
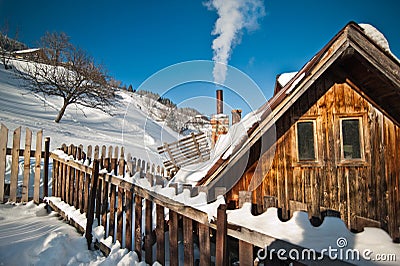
[
  {"x": 130, "y": 127},
  {"x": 31, "y": 236}
]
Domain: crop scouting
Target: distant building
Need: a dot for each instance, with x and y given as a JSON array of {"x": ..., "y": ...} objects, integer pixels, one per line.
[{"x": 34, "y": 54}]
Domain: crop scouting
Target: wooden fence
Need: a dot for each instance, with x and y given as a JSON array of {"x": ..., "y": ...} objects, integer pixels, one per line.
[
  {"x": 117, "y": 202},
  {"x": 9, "y": 191}
]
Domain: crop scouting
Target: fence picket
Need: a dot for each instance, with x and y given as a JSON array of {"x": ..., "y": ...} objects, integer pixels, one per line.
[
  {"x": 111, "y": 228},
  {"x": 87, "y": 181},
  {"x": 81, "y": 180},
  {"x": 204, "y": 244},
  {"x": 138, "y": 226},
  {"x": 245, "y": 253},
  {"x": 90, "y": 213},
  {"x": 46, "y": 167},
  {"x": 14, "y": 165},
  {"x": 3, "y": 155},
  {"x": 160, "y": 235},
  {"x": 121, "y": 197},
  {"x": 27, "y": 165},
  {"x": 221, "y": 248},
  {"x": 148, "y": 231},
  {"x": 38, "y": 159},
  {"x": 188, "y": 241},
  {"x": 128, "y": 227},
  {"x": 173, "y": 238}
]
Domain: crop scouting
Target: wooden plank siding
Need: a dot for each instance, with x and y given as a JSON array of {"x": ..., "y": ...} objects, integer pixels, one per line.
[{"x": 365, "y": 192}]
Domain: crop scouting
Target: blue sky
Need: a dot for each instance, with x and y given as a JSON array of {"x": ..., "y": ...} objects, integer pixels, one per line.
[{"x": 135, "y": 39}]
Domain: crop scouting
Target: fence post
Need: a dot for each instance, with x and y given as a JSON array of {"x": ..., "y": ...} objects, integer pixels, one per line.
[
  {"x": 245, "y": 253},
  {"x": 138, "y": 226},
  {"x": 27, "y": 165},
  {"x": 46, "y": 168},
  {"x": 14, "y": 165},
  {"x": 173, "y": 238},
  {"x": 90, "y": 212},
  {"x": 188, "y": 241},
  {"x": 38, "y": 158},
  {"x": 148, "y": 231},
  {"x": 221, "y": 249},
  {"x": 204, "y": 244},
  {"x": 160, "y": 234},
  {"x": 3, "y": 155}
]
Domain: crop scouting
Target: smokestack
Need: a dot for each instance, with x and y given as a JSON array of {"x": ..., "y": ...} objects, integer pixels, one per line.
[
  {"x": 220, "y": 102},
  {"x": 236, "y": 116}
]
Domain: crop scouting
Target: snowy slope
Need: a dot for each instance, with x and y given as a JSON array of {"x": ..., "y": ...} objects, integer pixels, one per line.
[{"x": 130, "y": 127}]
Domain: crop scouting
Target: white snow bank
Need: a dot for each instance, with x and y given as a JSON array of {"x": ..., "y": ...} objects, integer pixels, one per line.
[
  {"x": 284, "y": 78},
  {"x": 377, "y": 37},
  {"x": 299, "y": 231}
]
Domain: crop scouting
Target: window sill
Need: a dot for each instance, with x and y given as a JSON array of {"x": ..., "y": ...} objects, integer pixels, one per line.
[
  {"x": 355, "y": 162},
  {"x": 307, "y": 164}
]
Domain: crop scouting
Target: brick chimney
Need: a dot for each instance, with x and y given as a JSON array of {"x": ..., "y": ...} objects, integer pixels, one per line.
[{"x": 220, "y": 102}]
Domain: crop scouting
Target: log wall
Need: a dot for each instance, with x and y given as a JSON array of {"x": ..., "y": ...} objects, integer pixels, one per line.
[{"x": 365, "y": 192}]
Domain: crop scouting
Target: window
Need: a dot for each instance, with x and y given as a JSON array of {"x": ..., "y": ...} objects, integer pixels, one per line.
[
  {"x": 305, "y": 141},
  {"x": 351, "y": 139}
]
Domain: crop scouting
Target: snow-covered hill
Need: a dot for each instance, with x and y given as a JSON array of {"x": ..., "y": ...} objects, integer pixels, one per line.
[{"x": 131, "y": 126}]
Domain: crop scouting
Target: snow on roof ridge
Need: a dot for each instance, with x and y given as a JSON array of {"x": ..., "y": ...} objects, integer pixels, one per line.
[
  {"x": 26, "y": 50},
  {"x": 284, "y": 78},
  {"x": 375, "y": 35}
]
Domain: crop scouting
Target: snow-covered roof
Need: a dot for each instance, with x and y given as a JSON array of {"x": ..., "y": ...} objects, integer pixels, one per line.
[
  {"x": 284, "y": 78},
  {"x": 26, "y": 51},
  {"x": 376, "y": 36}
]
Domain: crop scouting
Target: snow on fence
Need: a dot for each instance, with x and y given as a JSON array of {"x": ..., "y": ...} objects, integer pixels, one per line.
[
  {"x": 9, "y": 189},
  {"x": 131, "y": 203}
]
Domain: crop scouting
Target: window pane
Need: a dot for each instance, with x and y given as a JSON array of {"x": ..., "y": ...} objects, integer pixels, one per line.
[
  {"x": 351, "y": 138},
  {"x": 305, "y": 140}
]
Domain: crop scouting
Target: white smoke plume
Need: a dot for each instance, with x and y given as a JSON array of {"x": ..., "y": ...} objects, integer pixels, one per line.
[{"x": 234, "y": 16}]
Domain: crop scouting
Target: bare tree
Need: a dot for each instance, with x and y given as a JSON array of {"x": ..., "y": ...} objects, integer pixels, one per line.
[
  {"x": 70, "y": 73},
  {"x": 7, "y": 44}
]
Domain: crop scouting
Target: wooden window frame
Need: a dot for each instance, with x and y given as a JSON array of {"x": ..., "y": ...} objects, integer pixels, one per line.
[
  {"x": 353, "y": 161},
  {"x": 316, "y": 148}
]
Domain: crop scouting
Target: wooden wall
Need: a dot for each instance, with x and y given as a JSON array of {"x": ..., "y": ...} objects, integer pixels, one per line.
[{"x": 366, "y": 192}]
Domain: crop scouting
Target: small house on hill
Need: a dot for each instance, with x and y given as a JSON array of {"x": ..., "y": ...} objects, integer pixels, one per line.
[
  {"x": 336, "y": 139},
  {"x": 34, "y": 54}
]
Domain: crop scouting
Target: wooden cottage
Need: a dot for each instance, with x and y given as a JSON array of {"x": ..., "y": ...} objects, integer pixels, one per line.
[{"x": 337, "y": 144}]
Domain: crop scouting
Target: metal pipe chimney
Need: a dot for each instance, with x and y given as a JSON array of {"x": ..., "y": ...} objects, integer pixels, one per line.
[{"x": 220, "y": 102}]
